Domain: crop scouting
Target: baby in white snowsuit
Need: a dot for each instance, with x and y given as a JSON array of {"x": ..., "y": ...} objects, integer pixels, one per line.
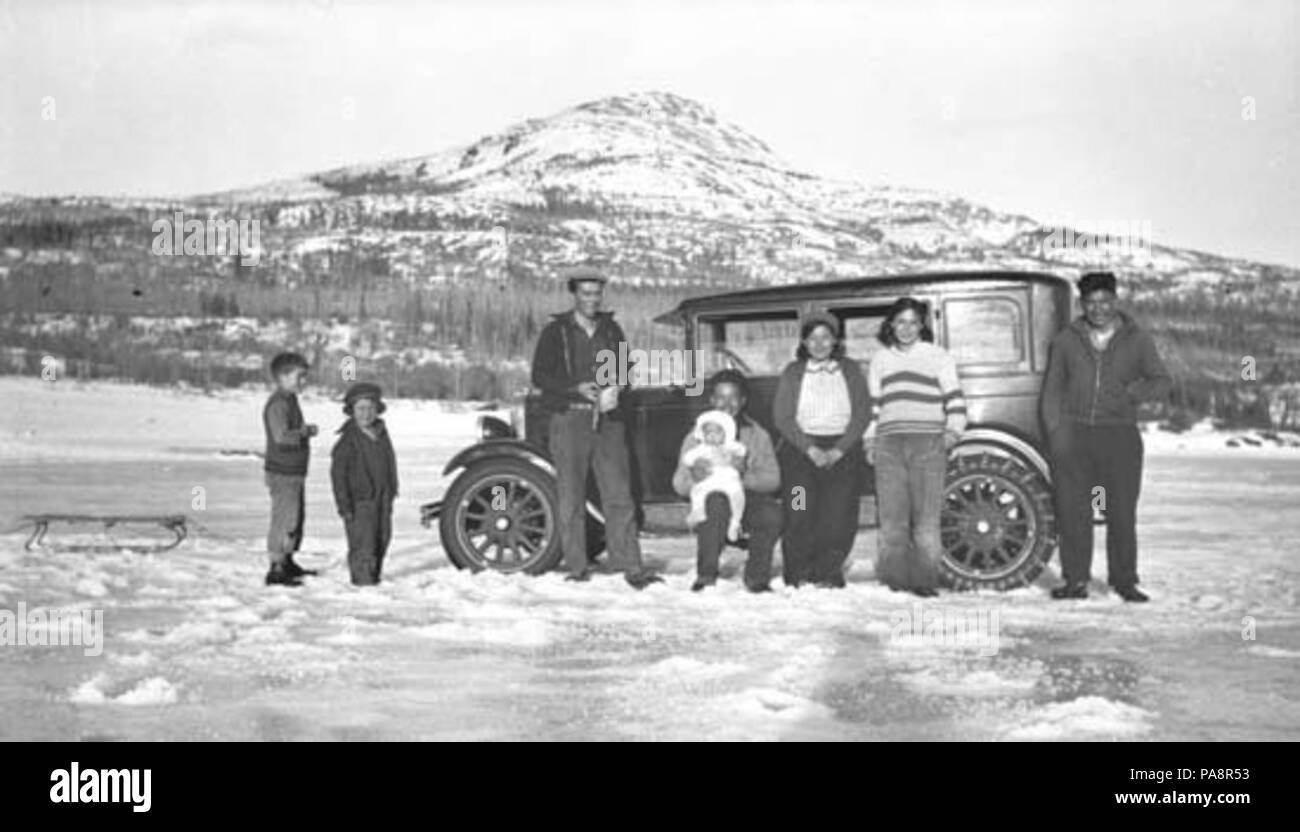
[{"x": 715, "y": 433}]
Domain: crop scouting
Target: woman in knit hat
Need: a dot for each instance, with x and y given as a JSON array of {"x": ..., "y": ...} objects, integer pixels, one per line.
[
  {"x": 918, "y": 414},
  {"x": 820, "y": 410},
  {"x": 364, "y": 474}
]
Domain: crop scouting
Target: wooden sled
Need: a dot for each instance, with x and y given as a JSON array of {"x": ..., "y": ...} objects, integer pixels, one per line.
[{"x": 175, "y": 524}]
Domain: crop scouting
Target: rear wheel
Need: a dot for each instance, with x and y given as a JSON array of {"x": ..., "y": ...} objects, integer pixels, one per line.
[
  {"x": 998, "y": 526},
  {"x": 502, "y": 514}
]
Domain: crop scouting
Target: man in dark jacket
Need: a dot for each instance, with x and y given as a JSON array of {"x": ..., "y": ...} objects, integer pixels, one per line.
[
  {"x": 1099, "y": 369},
  {"x": 363, "y": 471},
  {"x": 586, "y": 431},
  {"x": 761, "y": 477}
]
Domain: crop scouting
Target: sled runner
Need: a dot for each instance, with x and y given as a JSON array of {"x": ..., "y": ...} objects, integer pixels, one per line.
[{"x": 142, "y": 532}]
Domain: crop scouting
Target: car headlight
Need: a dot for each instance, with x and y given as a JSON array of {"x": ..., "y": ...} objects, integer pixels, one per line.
[{"x": 490, "y": 427}]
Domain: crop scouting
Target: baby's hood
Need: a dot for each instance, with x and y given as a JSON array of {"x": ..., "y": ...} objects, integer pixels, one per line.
[{"x": 717, "y": 417}]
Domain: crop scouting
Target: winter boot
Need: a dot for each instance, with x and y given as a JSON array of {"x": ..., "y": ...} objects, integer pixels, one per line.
[{"x": 277, "y": 575}]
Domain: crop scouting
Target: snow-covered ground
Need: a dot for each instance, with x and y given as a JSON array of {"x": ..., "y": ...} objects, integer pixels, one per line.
[{"x": 197, "y": 648}]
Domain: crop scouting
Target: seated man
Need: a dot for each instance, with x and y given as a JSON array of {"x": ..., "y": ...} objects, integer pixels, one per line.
[{"x": 761, "y": 478}]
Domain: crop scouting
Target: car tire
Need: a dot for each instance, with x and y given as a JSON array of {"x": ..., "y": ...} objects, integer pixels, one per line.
[
  {"x": 514, "y": 529},
  {"x": 998, "y": 526}
]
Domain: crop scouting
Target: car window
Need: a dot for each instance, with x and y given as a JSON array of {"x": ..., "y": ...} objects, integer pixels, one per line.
[
  {"x": 756, "y": 344},
  {"x": 984, "y": 330},
  {"x": 861, "y": 328}
]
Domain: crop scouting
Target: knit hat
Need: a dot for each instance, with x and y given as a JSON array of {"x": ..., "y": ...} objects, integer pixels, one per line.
[
  {"x": 363, "y": 390},
  {"x": 718, "y": 417},
  {"x": 1096, "y": 281},
  {"x": 821, "y": 317}
]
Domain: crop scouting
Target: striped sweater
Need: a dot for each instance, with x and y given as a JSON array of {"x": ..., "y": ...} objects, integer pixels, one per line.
[{"x": 915, "y": 391}]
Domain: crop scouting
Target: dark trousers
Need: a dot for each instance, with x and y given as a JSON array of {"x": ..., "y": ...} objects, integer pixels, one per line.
[
  {"x": 576, "y": 449},
  {"x": 1084, "y": 458},
  {"x": 288, "y": 509},
  {"x": 761, "y": 521},
  {"x": 821, "y": 513},
  {"x": 369, "y": 532}
]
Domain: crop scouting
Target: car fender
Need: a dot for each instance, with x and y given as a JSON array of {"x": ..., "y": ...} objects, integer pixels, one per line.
[
  {"x": 1004, "y": 439},
  {"x": 516, "y": 448}
]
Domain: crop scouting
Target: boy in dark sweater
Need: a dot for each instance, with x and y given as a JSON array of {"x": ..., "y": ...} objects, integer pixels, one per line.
[
  {"x": 287, "y": 452},
  {"x": 364, "y": 474}
]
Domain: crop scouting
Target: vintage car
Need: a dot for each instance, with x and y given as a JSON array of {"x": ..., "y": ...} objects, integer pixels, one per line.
[{"x": 998, "y": 524}]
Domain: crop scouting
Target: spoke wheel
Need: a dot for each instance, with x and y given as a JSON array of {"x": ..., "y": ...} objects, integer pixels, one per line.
[
  {"x": 998, "y": 527},
  {"x": 502, "y": 514}
]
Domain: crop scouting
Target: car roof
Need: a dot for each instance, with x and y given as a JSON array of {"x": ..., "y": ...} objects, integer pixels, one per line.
[{"x": 831, "y": 290}]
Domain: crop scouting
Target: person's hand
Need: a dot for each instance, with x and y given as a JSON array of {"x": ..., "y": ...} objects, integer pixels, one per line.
[
  {"x": 738, "y": 462},
  {"x": 833, "y": 456},
  {"x": 950, "y": 440},
  {"x": 608, "y": 399},
  {"x": 588, "y": 390},
  {"x": 870, "y": 451},
  {"x": 700, "y": 469}
]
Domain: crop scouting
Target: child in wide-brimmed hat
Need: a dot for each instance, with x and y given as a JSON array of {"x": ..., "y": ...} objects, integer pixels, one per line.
[{"x": 364, "y": 474}]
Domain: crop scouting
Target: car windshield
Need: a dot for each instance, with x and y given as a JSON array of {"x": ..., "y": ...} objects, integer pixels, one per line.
[
  {"x": 762, "y": 344},
  {"x": 757, "y": 345},
  {"x": 861, "y": 330}
]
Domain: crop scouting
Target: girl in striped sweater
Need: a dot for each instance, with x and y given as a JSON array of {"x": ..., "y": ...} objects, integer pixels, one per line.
[{"x": 918, "y": 414}]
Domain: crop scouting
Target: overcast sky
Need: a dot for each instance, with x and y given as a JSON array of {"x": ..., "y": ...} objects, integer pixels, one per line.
[{"x": 1088, "y": 112}]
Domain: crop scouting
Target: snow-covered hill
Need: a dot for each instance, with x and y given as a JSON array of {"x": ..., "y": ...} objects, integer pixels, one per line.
[{"x": 659, "y": 187}]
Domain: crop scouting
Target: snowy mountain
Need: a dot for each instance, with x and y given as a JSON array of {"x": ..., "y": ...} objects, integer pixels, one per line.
[
  {"x": 407, "y": 263},
  {"x": 656, "y": 187},
  {"x": 661, "y": 189}
]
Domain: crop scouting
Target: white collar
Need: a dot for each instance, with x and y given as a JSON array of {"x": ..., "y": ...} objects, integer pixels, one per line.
[{"x": 829, "y": 365}]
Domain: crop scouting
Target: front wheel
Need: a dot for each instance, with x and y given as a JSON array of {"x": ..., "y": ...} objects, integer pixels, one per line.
[
  {"x": 998, "y": 526},
  {"x": 502, "y": 514}
]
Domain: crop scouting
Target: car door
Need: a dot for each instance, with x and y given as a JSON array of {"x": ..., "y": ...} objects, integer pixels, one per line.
[
  {"x": 988, "y": 333},
  {"x": 758, "y": 342}
]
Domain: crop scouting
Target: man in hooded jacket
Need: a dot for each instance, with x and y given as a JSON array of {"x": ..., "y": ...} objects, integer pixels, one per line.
[{"x": 1100, "y": 368}]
